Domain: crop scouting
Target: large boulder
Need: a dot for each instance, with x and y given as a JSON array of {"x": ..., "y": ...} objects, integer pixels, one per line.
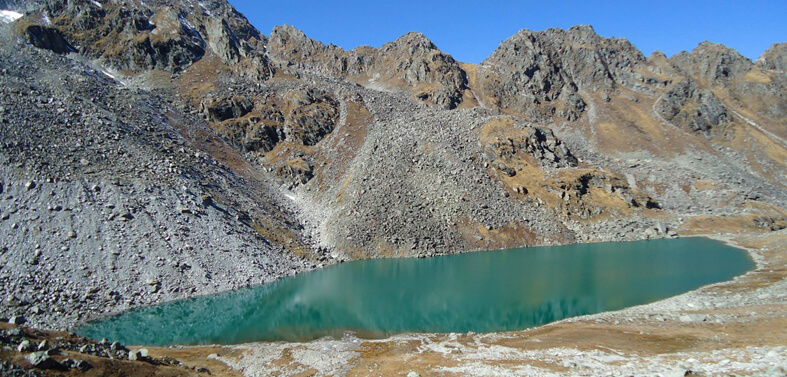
[
  {"x": 41, "y": 360},
  {"x": 224, "y": 108},
  {"x": 48, "y": 38}
]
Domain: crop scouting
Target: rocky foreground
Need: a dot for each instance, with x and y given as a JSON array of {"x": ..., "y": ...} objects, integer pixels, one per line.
[{"x": 158, "y": 150}]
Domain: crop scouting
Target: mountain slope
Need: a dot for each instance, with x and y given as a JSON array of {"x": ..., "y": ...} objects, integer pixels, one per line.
[{"x": 173, "y": 150}]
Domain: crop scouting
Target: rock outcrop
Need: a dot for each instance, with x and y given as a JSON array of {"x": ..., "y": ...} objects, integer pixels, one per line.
[
  {"x": 166, "y": 36},
  {"x": 775, "y": 58},
  {"x": 48, "y": 38},
  {"x": 696, "y": 110},
  {"x": 539, "y": 74},
  {"x": 411, "y": 62},
  {"x": 539, "y": 142},
  {"x": 713, "y": 63}
]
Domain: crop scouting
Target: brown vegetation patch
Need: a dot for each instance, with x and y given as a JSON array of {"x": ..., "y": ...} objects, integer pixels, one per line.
[
  {"x": 755, "y": 218},
  {"x": 336, "y": 153}
]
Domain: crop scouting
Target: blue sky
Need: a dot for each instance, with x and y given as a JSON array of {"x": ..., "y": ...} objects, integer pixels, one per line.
[{"x": 471, "y": 30}]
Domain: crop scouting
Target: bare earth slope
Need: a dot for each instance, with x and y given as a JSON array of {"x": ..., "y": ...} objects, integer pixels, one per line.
[{"x": 155, "y": 150}]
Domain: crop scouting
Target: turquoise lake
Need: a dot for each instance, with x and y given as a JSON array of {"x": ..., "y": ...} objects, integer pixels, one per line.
[{"x": 481, "y": 292}]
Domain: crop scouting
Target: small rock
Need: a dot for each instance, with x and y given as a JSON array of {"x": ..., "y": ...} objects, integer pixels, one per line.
[
  {"x": 116, "y": 346},
  {"x": 52, "y": 351},
  {"x": 41, "y": 360},
  {"x": 17, "y": 320},
  {"x": 413, "y": 374},
  {"x": 140, "y": 354},
  {"x": 689, "y": 318},
  {"x": 36, "y": 310},
  {"x": 30, "y": 185},
  {"x": 82, "y": 365},
  {"x": 24, "y": 346},
  {"x": 43, "y": 346}
]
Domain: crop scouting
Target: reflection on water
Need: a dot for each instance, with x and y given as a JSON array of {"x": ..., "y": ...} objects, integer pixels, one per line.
[{"x": 481, "y": 292}]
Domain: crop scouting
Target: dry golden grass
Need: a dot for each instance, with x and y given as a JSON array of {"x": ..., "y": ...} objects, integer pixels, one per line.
[
  {"x": 532, "y": 184},
  {"x": 706, "y": 185},
  {"x": 630, "y": 126},
  {"x": 758, "y": 76},
  {"x": 753, "y": 216},
  {"x": 340, "y": 147},
  {"x": 469, "y": 99},
  {"x": 479, "y": 237}
]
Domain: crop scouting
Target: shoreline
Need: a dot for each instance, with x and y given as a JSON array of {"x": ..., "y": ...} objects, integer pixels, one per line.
[
  {"x": 725, "y": 240},
  {"x": 678, "y": 334},
  {"x": 720, "y": 328}
]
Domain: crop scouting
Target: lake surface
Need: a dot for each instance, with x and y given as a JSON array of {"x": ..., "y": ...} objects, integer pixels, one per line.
[{"x": 482, "y": 292}]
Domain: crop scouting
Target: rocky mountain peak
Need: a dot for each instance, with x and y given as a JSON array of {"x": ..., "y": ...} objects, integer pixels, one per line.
[
  {"x": 539, "y": 73},
  {"x": 289, "y": 32},
  {"x": 582, "y": 29},
  {"x": 293, "y": 46},
  {"x": 413, "y": 43},
  {"x": 712, "y": 62},
  {"x": 411, "y": 62},
  {"x": 657, "y": 56},
  {"x": 774, "y": 58},
  {"x": 136, "y": 37}
]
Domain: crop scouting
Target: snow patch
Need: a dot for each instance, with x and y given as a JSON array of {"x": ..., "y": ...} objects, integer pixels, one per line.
[
  {"x": 8, "y": 16},
  {"x": 96, "y": 3}
]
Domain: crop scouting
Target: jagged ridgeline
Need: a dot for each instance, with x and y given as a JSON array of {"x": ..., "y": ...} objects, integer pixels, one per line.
[{"x": 157, "y": 150}]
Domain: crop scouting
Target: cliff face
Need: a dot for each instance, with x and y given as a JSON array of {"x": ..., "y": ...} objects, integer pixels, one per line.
[
  {"x": 775, "y": 58},
  {"x": 539, "y": 74},
  {"x": 412, "y": 62},
  {"x": 177, "y": 143}
]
